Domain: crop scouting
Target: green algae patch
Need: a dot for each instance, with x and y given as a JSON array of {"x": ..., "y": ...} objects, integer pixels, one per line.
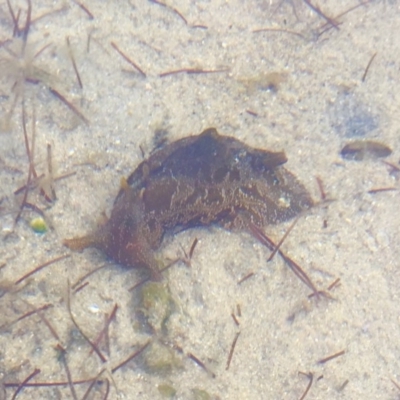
[
  {"x": 160, "y": 360},
  {"x": 156, "y": 305},
  {"x": 200, "y": 394},
  {"x": 167, "y": 390}
]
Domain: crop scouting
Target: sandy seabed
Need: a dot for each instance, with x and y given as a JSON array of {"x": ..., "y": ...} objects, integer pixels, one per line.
[{"x": 299, "y": 86}]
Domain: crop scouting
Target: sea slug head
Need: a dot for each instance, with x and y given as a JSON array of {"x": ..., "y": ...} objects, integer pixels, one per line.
[{"x": 122, "y": 237}]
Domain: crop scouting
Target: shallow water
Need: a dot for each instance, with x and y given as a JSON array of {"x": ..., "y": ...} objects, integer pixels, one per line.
[{"x": 100, "y": 133}]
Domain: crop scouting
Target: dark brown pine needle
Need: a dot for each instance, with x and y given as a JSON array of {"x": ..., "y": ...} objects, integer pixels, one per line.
[
  {"x": 103, "y": 333},
  {"x": 92, "y": 383},
  {"x": 31, "y": 170},
  {"x": 298, "y": 271},
  {"x": 63, "y": 359},
  {"x": 368, "y": 66},
  {"x": 47, "y": 384},
  {"x": 35, "y": 208},
  {"x": 131, "y": 357},
  {"x": 126, "y": 58},
  {"x": 279, "y": 30},
  {"x": 79, "y": 288},
  {"x": 235, "y": 320},
  {"x": 25, "y": 31},
  {"x": 74, "y": 109},
  {"x": 278, "y": 246},
  {"x": 379, "y": 190},
  {"x": 92, "y": 345},
  {"x": 24, "y": 382},
  {"x": 228, "y": 363},
  {"x": 40, "y": 51},
  {"x": 49, "y": 326},
  {"x": 247, "y": 276},
  {"x": 188, "y": 257},
  {"x": 394, "y": 167},
  {"x": 310, "y": 377},
  {"x": 192, "y": 71},
  {"x": 395, "y": 384},
  {"x": 32, "y": 185},
  {"x": 40, "y": 267},
  {"x": 174, "y": 10},
  {"x": 327, "y": 26},
  {"x": 199, "y": 26},
  {"x": 238, "y": 310},
  {"x": 252, "y": 113},
  {"x": 334, "y": 284},
  {"x": 64, "y": 176},
  {"x": 322, "y": 15},
  {"x": 343, "y": 385},
  {"x": 50, "y": 171},
  {"x": 84, "y": 277},
  {"x": 84, "y": 8},
  {"x": 107, "y": 391},
  {"x": 143, "y": 281},
  {"x": 192, "y": 247},
  {"x": 51, "y": 12},
  {"x": 331, "y": 357},
  {"x": 34, "y": 311},
  {"x": 200, "y": 363},
  {"x": 71, "y": 56},
  {"x": 13, "y": 17},
  {"x": 321, "y": 188}
]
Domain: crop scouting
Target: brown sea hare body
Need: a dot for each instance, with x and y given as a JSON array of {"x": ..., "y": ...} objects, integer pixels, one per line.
[{"x": 196, "y": 181}]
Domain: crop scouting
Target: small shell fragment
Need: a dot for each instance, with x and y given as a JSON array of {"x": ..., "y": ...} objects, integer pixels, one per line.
[{"x": 365, "y": 149}]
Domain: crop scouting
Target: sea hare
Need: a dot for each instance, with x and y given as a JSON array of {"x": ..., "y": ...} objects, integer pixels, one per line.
[{"x": 202, "y": 180}]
